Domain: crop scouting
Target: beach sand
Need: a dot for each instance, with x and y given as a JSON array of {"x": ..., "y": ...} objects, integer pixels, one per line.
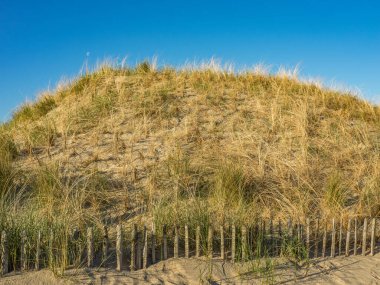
[{"x": 340, "y": 270}]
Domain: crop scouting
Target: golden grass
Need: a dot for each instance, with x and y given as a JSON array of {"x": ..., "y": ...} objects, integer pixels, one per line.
[{"x": 198, "y": 145}]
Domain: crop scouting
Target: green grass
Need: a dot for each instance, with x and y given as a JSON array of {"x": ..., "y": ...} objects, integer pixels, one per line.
[{"x": 31, "y": 112}]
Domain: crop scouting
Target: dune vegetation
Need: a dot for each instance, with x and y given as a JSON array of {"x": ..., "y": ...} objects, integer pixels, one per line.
[{"x": 193, "y": 145}]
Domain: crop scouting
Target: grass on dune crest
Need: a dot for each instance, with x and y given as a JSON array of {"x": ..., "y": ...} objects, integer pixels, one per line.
[{"x": 194, "y": 145}]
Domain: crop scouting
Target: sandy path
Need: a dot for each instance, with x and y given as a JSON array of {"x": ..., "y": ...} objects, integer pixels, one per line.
[{"x": 352, "y": 270}]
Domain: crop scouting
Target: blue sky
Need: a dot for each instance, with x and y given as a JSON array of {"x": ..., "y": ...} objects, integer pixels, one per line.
[{"x": 42, "y": 41}]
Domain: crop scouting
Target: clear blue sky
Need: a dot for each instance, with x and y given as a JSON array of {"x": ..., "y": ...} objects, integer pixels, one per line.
[{"x": 41, "y": 41}]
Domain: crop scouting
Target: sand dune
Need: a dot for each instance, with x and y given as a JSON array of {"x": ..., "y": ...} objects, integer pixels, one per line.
[{"x": 352, "y": 270}]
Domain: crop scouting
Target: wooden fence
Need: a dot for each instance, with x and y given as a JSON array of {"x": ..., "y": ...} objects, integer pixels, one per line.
[{"x": 136, "y": 248}]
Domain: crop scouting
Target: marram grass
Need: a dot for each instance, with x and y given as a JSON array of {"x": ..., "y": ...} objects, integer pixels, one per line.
[{"x": 193, "y": 145}]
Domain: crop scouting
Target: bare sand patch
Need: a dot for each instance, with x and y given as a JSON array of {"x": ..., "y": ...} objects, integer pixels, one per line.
[{"x": 341, "y": 270}]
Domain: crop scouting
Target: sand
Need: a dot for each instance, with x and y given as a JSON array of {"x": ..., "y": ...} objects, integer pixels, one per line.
[{"x": 340, "y": 270}]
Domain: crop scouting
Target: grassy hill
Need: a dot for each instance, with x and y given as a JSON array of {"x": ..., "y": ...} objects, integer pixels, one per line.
[{"x": 192, "y": 145}]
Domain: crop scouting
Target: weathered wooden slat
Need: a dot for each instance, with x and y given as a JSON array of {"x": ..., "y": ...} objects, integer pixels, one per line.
[
  {"x": 308, "y": 236},
  {"x": 23, "y": 257},
  {"x": 272, "y": 245},
  {"x": 364, "y": 239},
  {"x": 105, "y": 245},
  {"x": 4, "y": 253},
  {"x": 119, "y": 247},
  {"x": 355, "y": 236},
  {"x": 244, "y": 246},
  {"x": 77, "y": 247},
  {"x": 90, "y": 247},
  {"x": 133, "y": 248},
  {"x": 233, "y": 243},
  {"x": 186, "y": 241},
  {"x": 153, "y": 243},
  {"x": 139, "y": 248},
  {"x": 263, "y": 238},
  {"x": 222, "y": 256},
  {"x": 278, "y": 244},
  {"x": 145, "y": 248},
  {"x": 176, "y": 242},
  {"x": 324, "y": 241},
  {"x": 197, "y": 241},
  {"x": 373, "y": 236},
  {"x": 50, "y": 250},
  {"x": 210, "y": 242},
  {"x": 340, "y": 237},
  {"x": 333, "y": 238},
  {"x": 316, "y": 238},
  {"x": 299, "y": 230},
  {"x": 165, "y": 243},
  {"x": 38, "y": 251},
  {"x": 348, "y": 236},
  {"x": 256, "y": 238}
]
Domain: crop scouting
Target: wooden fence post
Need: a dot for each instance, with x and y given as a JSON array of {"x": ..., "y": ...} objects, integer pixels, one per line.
[
  {"x": 233, "y": 243},
  {"x": 316, "y": 239},
  {"x": 263, "y": 244},
  {"x": 38, "y": 251},
  {"x": 279, "y": 228},
  {"x": 373, "y": 236},
  {"x": 222, "y": 242},
  {"x": 308, "y": 236},
  {"x": 186, "y": 241},
  {"x": 165, "y": 243},
  {"x": 324, "y": 241},
  {"x": 4, "y": 253},
  {"x": 133, "y": 247},
  {"x": 64, "y": 250},
  {"x": 364, "y": 240},
  {"x": 119, "y": 247},
  {"x": 153, "y": 244},
  {"x": 77, "y": 247},
  {"x": 299, "y": 231},
  {"x": 278, "y": 246},
  {"x": 197, "y": 241},
  {"x": 145, "y": 249},
  {"x": 340, "y": 236},
  {"x": 355, "y": 236},
  {"x": 333, "y": 237},
  {"x": 138, "y": 250},
  {"x": 105, "y": 245},
  {"x": 176, "y": 242},
  {"x": 90, "y": 247},
  {"x": 23, "y": 257},
  {"x": 244, "y": 247},
  {"x": 272, "y": 245},
  {"x": 50, "y": 253},
  {"x": 209, "y": 242},
  {"x": 348, "y": 237}
]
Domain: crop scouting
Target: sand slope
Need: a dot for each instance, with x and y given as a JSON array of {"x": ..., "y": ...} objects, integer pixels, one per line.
[{"x": 352, "y": 270}]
